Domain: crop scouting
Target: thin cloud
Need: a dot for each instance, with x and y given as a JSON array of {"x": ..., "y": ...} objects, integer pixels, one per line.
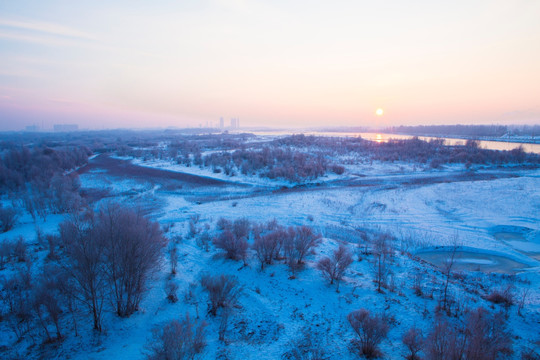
[
  {"x": 47, "y": 28},
  {"x": 44, "y": 40}
]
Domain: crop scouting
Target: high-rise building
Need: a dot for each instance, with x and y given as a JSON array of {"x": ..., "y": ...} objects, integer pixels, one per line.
[{"x": 221, "y": 123}]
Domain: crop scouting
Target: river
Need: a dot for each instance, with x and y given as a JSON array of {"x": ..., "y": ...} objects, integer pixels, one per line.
[{"x": 383, "y": 137}]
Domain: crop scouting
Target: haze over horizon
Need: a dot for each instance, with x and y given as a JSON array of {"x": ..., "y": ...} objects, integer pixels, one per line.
[{"x": 295, "y": 64}]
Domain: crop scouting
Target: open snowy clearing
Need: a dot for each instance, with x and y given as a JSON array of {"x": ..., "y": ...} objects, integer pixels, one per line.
[{"x": 495, "y": 223}]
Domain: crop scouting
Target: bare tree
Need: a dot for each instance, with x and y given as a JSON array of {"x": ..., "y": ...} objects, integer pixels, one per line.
[
  {"x": 334, "y": 267},
  {"x": 49, "y": 299},
  {"x": 84, "y": 264},
  {"x": 297, "y": 243},
  {"x": 178, "y": 340},
  {"x": 267, "y": 247},
  {"x": 8, "y": 218},
  {"x": 522, "y": 299},
  {"x": 173, "y": 258},
  {"x": 17, "y": 296},
  {"x": 371, "y": 331},
  {"x": 486, "y": 335},
  {"x": 192, "y": 296},
  {"x": 132, "y": 250},
  {"x": 447, "y": 272},
  {"x": 235, "y": 248},
  {"x": 304, "y": 241},
  {"x": 241, "y": 228},
  {"x": 382, "y": 251},
  {"x": 413, "y": 339},
  {"x": 483, "y": 336},
  {"x": 223, "y": 291},
  {"x": 441, "y": 342}
]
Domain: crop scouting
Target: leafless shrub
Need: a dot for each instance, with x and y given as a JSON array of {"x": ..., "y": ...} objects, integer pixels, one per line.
[
  {"x": 364, "y": 242},
  {"x": 173, "y": 258},
  {"x": 308, "y": 346},
  {"x": 334, "y": 267},
  {"x": 241, "y": 228},
  {"x": 417, "y": 283},
  {"x": 267, "y": 247},
  {"x": 178, "y": 340},
  {"x": 503, "y": 296},
  {"x": 204, "y": 240},
  {"x": 371, "y": 330},
  {"x": 171, "y": 289},
  {"x": 49, "y": 299},
  {"x": 487, "y": 338},
  {"x": 223, "y": 224},
  {"x": 193, "y": 229},
  {"x": 235, "y": 248},
  {"x": 223, "y": 291},
  {"x": 20, "y": 250},
  {"x": 297, "y": 243},
  {"x": 17, "y": 297},
  {"x": 522, "y": 299},
  {"x": 5, "y": 252},
  {"x": 483, "y": 336},
  {"x": 8, "y": 218},
  {"x": 530, "y": 354},
  {"x": 444, "y": 342},
  {"x": 52, "y": 243},
  {"x": 192, "y": 296},
  {"x": 413, "y": 339}
]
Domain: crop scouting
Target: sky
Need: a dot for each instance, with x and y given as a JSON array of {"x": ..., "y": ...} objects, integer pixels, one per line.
[{"x": 275, "y": 63}]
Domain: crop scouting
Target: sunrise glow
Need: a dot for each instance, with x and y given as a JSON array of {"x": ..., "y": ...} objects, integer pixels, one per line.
[{"x": 187, "y": 64}]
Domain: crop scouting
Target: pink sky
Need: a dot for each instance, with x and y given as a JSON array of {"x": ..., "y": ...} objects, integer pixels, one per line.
[{"x": 278, "y": 63}]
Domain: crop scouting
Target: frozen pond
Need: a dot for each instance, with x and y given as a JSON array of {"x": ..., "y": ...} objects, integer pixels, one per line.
[
  {"x": 472, "y": 261},
  {"x": 519, "y": 242}
]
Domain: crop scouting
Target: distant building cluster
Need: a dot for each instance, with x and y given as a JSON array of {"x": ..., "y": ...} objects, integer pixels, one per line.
[
  {"x": 235, "y": 123},
  {"x": 66, "y": 127}
]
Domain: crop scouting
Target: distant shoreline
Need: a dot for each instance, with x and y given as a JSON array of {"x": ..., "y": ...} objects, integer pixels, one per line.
[{"x": 513, "y": 139}]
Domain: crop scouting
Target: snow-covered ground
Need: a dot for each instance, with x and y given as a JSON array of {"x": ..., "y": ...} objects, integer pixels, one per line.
[{"x": 489, "y": 219}]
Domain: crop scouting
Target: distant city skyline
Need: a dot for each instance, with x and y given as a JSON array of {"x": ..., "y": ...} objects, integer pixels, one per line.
[{"x": 131, "y": 64}]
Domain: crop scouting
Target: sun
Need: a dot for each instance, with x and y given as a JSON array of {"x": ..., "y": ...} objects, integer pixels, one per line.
[{"x": 379, "y": 112}]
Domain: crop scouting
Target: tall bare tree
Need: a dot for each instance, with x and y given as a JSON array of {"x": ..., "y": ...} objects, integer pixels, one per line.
[
  {"x": 132, "y": 249},
  {"x": 84, "y": 263}
]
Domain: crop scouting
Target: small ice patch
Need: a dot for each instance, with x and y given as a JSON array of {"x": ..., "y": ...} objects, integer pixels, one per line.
[{"x": 475, "y": 261}]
